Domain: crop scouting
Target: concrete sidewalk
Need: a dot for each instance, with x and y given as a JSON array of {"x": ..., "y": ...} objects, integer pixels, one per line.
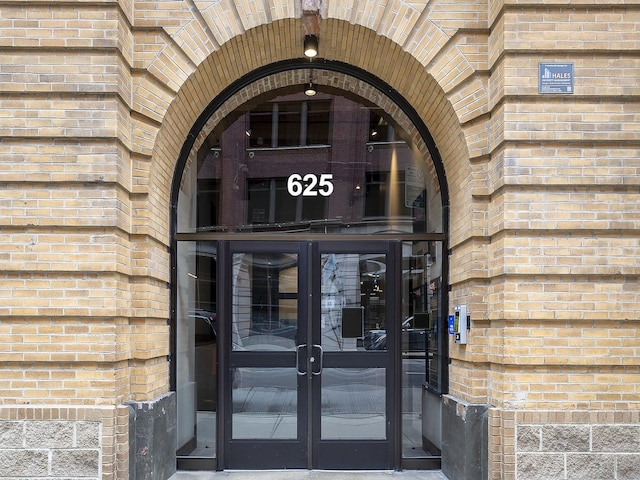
[{"x": 310, "y": 475}]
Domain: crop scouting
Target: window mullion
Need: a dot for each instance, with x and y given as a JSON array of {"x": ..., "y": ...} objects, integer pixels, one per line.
[
  {"x": 303, "y": 124},
  {"x": 272, "y": 201},
  {"x": 274, "y": 126}
]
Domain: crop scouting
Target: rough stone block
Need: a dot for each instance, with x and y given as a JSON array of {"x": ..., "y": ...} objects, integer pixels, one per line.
[
  {"x": 81, "y": 463},
  {"x": 11, "y": 434},
  {"x": 590, "y": 466},
  {"x": 616, "y": 438},
  {"x": 49, "y": 434},
  {"x": 565, "y": 438},
  {"x": 627, "y": 467},
  {"x": 87, "y": 435},
  {"x": 16, "y": 463},
  {"x": 528, "y": 438},
  {"x": 536, "y": 466}
]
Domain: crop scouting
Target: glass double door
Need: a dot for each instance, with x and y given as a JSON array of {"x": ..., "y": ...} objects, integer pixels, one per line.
[{"x": 310, "y": 371}]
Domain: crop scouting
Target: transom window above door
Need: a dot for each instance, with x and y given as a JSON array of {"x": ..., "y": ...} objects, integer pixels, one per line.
[{"x": 334, "y": 164}]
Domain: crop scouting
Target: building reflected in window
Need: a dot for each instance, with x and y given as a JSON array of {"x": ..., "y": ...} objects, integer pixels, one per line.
[{"x": 377, "y": 181}]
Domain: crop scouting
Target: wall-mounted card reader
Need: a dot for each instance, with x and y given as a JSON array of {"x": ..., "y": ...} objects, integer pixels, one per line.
[{"x": 460, "y": 325}]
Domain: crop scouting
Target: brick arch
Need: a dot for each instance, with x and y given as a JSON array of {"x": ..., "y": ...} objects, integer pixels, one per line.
[{"x": 240, "y": 55}]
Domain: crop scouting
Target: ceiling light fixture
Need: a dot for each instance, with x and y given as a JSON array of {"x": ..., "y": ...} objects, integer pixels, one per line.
[
  {"x": 310, "y": 46},
  {"x": 310, "y": 91}
]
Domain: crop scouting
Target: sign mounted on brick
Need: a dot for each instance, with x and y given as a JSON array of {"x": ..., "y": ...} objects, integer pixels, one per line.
[{"x": 555, "y": 77}]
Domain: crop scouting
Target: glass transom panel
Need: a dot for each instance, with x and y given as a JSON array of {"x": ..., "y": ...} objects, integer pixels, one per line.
[{"x": 328, "y": 165}]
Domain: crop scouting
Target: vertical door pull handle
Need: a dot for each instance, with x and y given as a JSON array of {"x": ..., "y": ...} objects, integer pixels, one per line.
[
  {"x": 298, "y": 362},
  {"x": 317, "y": 371}
]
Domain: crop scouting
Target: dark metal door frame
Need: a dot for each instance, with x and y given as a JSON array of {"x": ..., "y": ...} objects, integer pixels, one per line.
[
  {"x": 309, "y": 450},
  {"x": 256, "y": 453},
  {"x": 361, "y": 454}
]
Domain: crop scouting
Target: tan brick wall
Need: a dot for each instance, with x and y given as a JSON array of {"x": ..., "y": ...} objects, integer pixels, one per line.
[
  {"x": 562, "y": 176},
  {"x": 96, "y": 99}
]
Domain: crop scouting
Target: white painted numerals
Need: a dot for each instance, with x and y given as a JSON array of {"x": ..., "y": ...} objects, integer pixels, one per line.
[{"x": 310, "y": 185}]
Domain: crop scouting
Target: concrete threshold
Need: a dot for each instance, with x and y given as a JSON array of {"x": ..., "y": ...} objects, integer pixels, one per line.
[{"x": 310, "y": 475}]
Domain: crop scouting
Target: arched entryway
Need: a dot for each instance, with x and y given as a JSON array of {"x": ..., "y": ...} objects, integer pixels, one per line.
[{"x": 309, "y": 276}]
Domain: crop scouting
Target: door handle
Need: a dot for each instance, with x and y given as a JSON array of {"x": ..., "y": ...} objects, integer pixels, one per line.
[
  {"x": 298, "y": 349},
  {"x": 317, "y": 371}
]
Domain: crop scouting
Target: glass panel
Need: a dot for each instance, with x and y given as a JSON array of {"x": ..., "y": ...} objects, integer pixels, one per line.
[
  {"x": 313, "y": 208},
  {"x": 264, "y": 403},
  {"x": 353, "y": 315},
  {"x": 270, "y": 202},
  {"x": 264, "y": 301},
  {"x": 286, "y": 206},
  {"x": 353, "y": 404},
  {"x": 261, "y": 126},
  {"x": 208, "y": 202},
  {"x": 385, "y": 195},
  {"x": 380, "y": 130},
  {"x": 352, "y": 181},
  {"x": 289, "y": 118},
  {"x": 318, "y": 117},
  {"x": 196, "y": 345},
  {"x": 375, "y": 194},
  {"x": 259, "y": 199},
  {"x": 421, "y": 338},
  {"x": 413, "y": 373}
]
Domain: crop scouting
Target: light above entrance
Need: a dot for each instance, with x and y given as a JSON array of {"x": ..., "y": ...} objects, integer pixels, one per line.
[
  {"x": 310, "y": 91},
  {"x": 310, "y": 46}
]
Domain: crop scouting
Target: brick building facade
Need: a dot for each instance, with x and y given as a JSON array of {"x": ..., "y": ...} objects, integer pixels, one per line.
[{"x": 97, "y": 99}]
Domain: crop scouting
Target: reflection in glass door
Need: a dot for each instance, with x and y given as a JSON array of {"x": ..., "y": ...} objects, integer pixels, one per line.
[
  {"x": 265, "y": 314},
  {"x": 353, "y": 396},
  {"x": 196, "y": 351},
  {"x": 308, "y": 387},
  {"x": 352, "y": 303},
  {"x": 308, "y": 332},
  {"x": 264, "y": 428},
  {"x": 421, "y": 343}
]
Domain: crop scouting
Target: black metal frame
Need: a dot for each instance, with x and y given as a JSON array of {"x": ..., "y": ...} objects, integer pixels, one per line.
[
  {"x": 347, "y": 454},
  {"x": 214, "y": 105},
  {"x": 309, "y": 450},
  {"x": 259, "y": 454}
]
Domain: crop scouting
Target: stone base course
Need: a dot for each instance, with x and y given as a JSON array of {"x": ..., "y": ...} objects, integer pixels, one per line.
[
  {"x": 63, "y": 442},
  {"x": 577, "y": 451}
]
